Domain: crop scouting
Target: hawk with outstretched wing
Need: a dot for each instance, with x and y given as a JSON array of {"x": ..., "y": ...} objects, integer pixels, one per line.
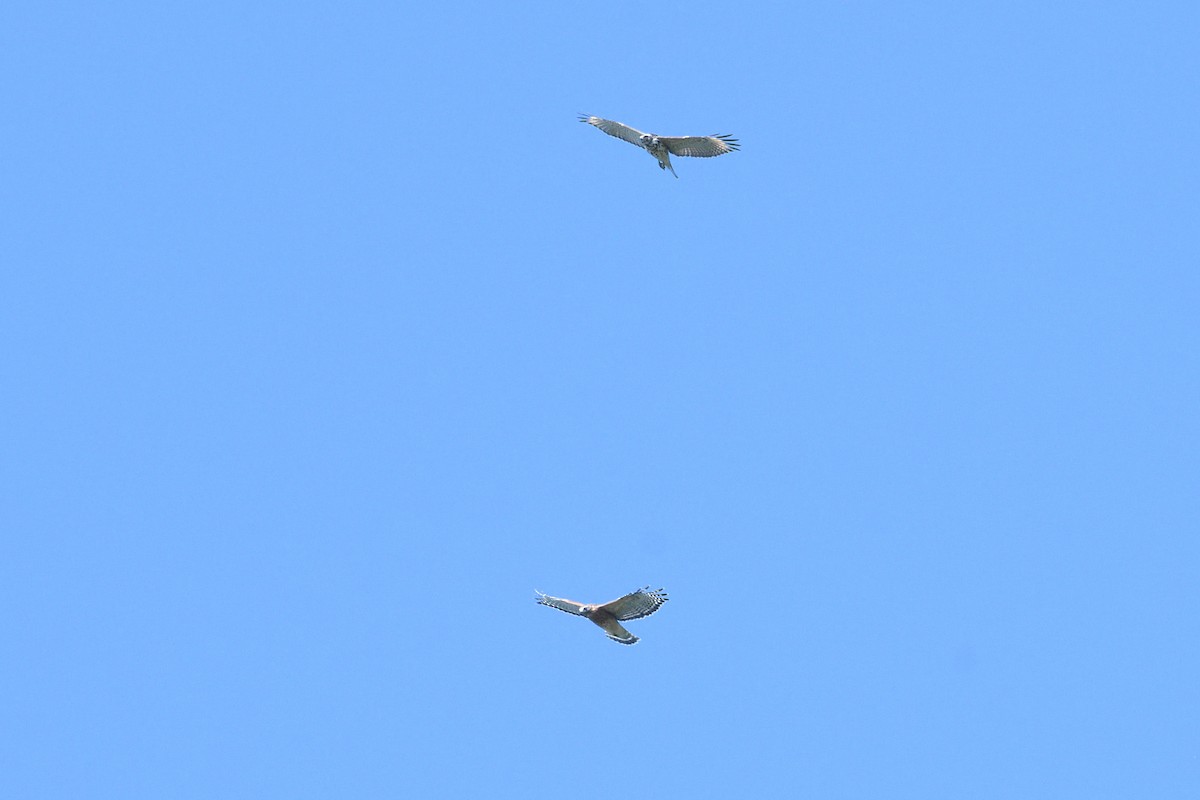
[
  {"x": 609, "y": 616},
  {"x": 663, "y": 147}
]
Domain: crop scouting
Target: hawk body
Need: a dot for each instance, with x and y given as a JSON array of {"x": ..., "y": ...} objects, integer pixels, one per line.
[
  {"x": 609, "y": 616},
  {"x": 663, "y": 147}
]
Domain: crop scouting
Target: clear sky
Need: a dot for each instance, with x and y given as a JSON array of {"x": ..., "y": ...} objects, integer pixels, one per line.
[{"x": 329, "y": 334}]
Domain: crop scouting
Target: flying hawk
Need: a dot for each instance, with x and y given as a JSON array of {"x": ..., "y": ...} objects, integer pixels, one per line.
[
  {"x": 635, "y": 605},
  {"x": 663, "y": 147}
]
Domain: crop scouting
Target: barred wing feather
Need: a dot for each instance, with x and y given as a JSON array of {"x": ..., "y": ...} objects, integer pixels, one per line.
[
  {"x": 637, "y": 604},
  {"x": 701, "y": 146},
  {"x": 569, "y": 606},
  {"x": 614, "y": 128}
]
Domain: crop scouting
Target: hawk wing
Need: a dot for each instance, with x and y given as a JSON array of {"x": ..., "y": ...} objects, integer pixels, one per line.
[
  {"x": 636, "y": 604},
  {"x": 702, "y": 146},
  {"x": 569, "y": 606},
  {"x": 614, "y": 129}
]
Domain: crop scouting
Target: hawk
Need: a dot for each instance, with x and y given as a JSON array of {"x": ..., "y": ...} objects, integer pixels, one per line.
[
  {"x": 609, "y": 616},
  {"x": 663, "y": 147}
]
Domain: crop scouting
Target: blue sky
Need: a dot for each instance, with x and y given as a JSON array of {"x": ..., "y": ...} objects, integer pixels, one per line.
[{"x": 330, "y": 335}]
